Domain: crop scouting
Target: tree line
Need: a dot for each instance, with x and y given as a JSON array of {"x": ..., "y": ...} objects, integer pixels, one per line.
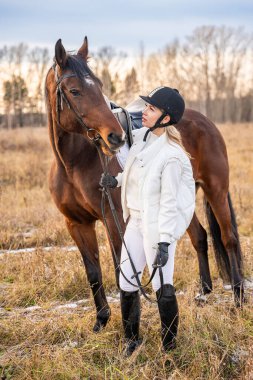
[{"x": 212, "y": 68}]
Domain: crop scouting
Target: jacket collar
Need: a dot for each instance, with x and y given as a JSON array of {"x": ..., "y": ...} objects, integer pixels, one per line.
[{"x": 152, "y": 150}]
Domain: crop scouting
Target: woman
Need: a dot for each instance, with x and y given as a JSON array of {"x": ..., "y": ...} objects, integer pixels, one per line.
[{"x": 158, "y": 201}]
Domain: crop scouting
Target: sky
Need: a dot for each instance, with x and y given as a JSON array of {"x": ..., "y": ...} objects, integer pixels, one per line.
[{"x": 122, "y": 24}]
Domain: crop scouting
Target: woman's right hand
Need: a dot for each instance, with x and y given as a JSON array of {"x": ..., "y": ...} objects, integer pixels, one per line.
[{"x": 108, "y": 180}]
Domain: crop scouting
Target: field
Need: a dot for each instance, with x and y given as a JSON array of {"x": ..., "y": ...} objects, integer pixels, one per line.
[{"x": 47, "y": 312}]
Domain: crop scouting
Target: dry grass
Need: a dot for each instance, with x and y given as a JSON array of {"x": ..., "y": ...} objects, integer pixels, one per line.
[{"x": 214, "y": 342}]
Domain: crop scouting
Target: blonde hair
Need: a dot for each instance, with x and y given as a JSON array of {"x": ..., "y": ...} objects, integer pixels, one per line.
[{"x": 174, "y": 135}]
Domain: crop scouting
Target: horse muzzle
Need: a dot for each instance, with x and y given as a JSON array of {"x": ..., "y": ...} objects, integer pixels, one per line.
[{"x": 116, "y": 141}]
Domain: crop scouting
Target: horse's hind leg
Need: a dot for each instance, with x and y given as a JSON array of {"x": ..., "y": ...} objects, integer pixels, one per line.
[
  {"x": 198, "y": 238},
  {"x": 85, "y": 237}
]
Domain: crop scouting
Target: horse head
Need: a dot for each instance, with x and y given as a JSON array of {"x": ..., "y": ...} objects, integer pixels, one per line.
[{"x": 77, "y": 102}]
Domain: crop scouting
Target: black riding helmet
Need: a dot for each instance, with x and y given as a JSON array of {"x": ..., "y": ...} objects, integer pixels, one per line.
[{"x": 168, "y": 100}]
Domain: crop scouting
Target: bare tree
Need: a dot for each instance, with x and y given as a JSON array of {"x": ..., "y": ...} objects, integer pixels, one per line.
[
  {"x": 131, "y": 86},
  {"x": 15, "y": 95},
  {"x": 219, "y": 55},
  {"x": 141, "y": 67},
  {"x": 39, "y": 61},
  {"x": 107, "y": 64},
  {"x": 199, "y": 46}
]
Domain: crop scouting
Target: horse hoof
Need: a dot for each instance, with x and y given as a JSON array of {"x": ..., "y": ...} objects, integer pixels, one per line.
[
  {"x": 206, "y": 289},
  {"x": 131, "y": 346},
  {"x": 101, "y": 322},
  {"x": 97, "y": 327}
]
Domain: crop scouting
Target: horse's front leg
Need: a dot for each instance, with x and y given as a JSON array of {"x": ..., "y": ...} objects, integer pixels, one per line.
[
  {"x": 115, "y": 242},
  {"x": 112, "y": 227},
  {"x": 85, "y": 237}
]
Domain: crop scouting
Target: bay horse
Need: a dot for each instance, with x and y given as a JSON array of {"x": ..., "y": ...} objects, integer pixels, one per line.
[{"x": 78, "y": 114}]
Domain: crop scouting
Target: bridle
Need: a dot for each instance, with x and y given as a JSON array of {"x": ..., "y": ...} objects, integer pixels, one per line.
[
  {"x": 97, "y": 140},
  {"x": 61, "y": 97}
]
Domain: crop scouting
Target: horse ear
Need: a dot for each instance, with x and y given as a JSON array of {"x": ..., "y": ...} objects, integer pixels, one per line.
[
  {"x": 83, "y": 51},
  {"x": 60, "y": 54}
]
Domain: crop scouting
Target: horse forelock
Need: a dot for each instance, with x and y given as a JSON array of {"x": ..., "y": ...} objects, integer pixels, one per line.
[{"x": 80, "y": 68}]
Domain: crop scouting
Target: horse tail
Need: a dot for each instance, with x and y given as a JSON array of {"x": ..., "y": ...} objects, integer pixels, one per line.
[
  {"x": 239, "y": 255},
  {"x": 221, "y": 255}
]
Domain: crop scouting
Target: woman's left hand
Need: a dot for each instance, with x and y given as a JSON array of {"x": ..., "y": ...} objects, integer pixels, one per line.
[{"x": 162, "y": 255}]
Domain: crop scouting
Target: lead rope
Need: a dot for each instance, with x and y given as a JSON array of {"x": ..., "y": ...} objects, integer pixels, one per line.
[{"x": 106, "y": 192}]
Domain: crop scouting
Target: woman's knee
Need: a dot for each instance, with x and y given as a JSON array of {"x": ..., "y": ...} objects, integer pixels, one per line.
[
  {"x": 125, "y": 286},
  {"x": 156, "y": 285}
]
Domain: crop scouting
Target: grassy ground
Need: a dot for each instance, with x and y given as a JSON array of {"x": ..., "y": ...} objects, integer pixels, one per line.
[{"x": 215, "y": 340}]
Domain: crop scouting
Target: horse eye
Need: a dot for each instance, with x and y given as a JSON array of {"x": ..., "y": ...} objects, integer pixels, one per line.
[{"x": 74, "y": 92}]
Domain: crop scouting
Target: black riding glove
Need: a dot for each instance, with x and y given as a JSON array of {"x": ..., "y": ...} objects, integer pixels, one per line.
[
  {"x": 108, "y": 180},
  {"x": 162, "y": 255}
]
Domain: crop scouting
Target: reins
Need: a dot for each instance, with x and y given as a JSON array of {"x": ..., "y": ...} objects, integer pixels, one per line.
[
  {"x": 97, "y": 139},
  {"x": 106, "y": 192}
]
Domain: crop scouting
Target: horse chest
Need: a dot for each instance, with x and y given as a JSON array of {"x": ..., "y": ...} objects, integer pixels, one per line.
[{"x": 82, "y": 201}]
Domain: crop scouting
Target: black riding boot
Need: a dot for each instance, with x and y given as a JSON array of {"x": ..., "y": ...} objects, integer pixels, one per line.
[
  {"x": 130, "y": 309},
  {"x": 168, "y": 310}
]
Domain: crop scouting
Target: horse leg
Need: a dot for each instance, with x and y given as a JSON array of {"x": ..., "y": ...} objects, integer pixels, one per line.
[
  {"x": 115, "y": 245},
  {"x": 198, "y": 238},
  {"x": 222, "y": 212},
  {"x": 85, "y": 237}
]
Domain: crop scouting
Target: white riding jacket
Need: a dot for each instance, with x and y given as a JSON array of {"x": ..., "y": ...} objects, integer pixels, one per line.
[{"x": 166, "y": 187}]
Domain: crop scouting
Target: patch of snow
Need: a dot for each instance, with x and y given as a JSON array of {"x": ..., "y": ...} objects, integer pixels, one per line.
[
  {"x": 82, "y": 301},
  {"x": 201, "y": 298},
  {"x": 248, "y": 283},
  {"x": 32, "y": 308},
  {"x": 238, "y": 355},
  {"x": 33, "y": 249},
  {"x": 65, "y": 306},
  {"x": 112, "y": 299}
]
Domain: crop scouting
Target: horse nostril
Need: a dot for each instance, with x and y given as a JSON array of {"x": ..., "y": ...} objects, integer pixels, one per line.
[{"x": 114, "y": 139}]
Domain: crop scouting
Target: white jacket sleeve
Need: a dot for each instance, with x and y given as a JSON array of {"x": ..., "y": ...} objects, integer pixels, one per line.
[
  {"x": 170, "y": 180},
  {"x": 119, "y": 179}
]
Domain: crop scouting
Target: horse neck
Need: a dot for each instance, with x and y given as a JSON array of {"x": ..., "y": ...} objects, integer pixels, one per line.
[{"x": 68, "y": 147}]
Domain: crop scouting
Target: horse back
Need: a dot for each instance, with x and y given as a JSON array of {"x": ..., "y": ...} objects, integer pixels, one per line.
[{"x": 203, "y": 140}]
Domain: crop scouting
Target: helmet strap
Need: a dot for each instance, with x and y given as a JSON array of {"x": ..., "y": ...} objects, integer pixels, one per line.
[{"x": 158, "y": 125}]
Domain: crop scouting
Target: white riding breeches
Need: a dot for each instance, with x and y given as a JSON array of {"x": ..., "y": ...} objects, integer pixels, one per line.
[{"x": 142, "y": 252}]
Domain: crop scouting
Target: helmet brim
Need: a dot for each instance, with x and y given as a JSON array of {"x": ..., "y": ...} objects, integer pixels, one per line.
[{"x": 148, "y": 100}]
